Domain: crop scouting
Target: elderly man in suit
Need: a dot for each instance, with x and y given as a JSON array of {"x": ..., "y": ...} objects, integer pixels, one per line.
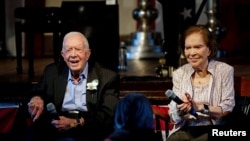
[{"x": 84, "y": 96}]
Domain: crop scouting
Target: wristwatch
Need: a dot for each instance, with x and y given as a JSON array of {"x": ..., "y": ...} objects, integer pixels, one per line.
[
  {"x": 206, "y": 109},
  {"x": 78, "y": 122}
]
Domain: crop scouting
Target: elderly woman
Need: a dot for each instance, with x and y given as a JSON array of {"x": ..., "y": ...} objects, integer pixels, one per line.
[{"x": 203, "y": 84}]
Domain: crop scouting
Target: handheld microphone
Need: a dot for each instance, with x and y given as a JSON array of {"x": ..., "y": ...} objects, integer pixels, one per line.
[
  {"x": 170, "y": 94},
  {"x": 52, "y": 110}
]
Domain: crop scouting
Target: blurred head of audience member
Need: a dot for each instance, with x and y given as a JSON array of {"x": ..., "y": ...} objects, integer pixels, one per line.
[{"x": 133, "y": 119}]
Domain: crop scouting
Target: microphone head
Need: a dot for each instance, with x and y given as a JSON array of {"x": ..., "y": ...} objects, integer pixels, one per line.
[
  {"x": 170, "y": 94},
  {"x": 51, "y": 108}
]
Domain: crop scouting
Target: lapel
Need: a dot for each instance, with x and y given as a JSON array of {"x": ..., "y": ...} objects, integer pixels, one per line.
[
  {"x": 60, "y": 86},
  {"x": 91, "y": 96}
]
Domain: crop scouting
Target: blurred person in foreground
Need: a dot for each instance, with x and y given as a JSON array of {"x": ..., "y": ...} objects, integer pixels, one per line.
[
  {"x": 133, "y": 119},
  {"x": 84, "y": 95},
  {"x": 203, "y": 84}
]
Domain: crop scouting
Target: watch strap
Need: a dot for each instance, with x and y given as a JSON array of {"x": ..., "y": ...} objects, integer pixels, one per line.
[{"x": 78, "y": 122}]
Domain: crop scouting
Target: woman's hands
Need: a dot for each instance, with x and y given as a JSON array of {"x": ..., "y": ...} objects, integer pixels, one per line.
[{"x": 187, "y": 104}]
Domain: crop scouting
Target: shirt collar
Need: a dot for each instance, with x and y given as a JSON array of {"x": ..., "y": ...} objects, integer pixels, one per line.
[
  {"x": 210, "y": 68},
  {"x": 83, "y": 74}
]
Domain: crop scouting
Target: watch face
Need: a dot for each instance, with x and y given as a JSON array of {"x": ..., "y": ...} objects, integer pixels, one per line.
[
  {"x": 206, "y": 108},
  {"x": 206, "y": 111}
]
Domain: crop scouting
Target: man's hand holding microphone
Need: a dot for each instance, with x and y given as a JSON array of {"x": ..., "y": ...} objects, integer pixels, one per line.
[{"x": 36, "y": 108}]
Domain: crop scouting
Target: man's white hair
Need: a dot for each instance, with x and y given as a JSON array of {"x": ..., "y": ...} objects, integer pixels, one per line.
[{"x": 75, "y": 33}]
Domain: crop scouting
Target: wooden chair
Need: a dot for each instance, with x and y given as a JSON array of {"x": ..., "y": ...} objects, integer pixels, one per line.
[{"x": 31, "y": 20}]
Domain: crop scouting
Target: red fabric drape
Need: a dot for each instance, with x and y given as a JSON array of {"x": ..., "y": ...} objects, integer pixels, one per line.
[{"x": 7, "y": 119}]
